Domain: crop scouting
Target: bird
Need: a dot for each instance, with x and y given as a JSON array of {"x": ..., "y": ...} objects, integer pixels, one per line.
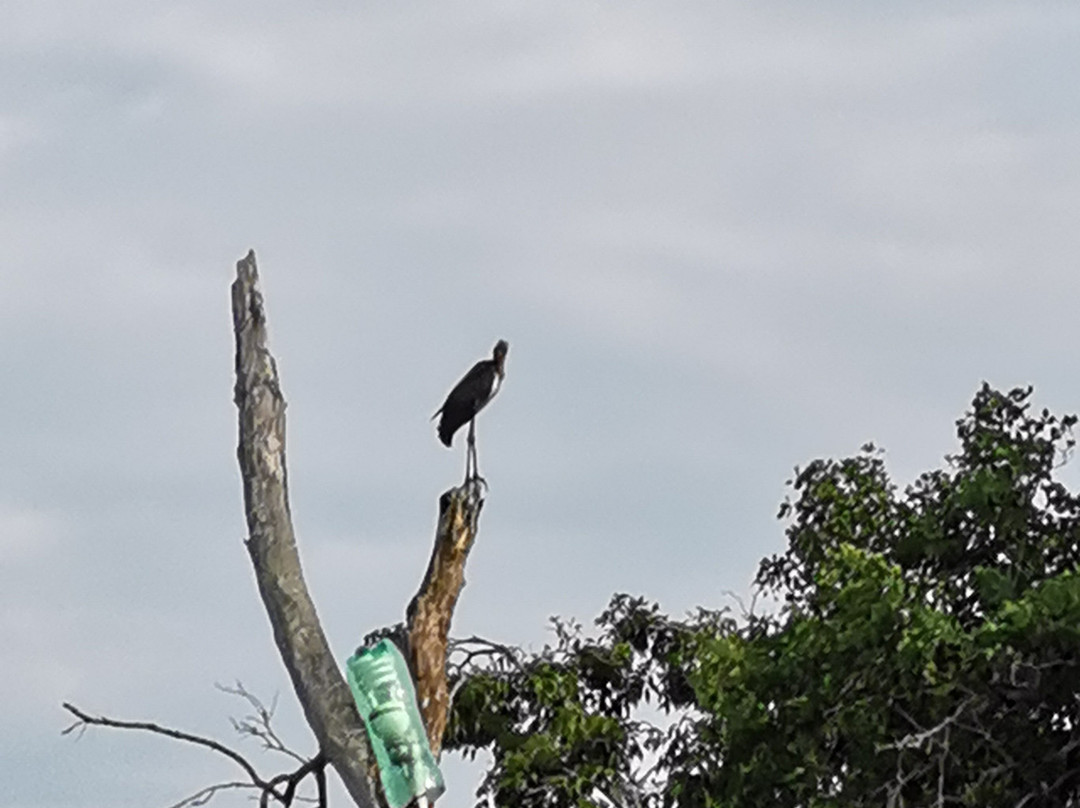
[{"x": 469, "y": 396}]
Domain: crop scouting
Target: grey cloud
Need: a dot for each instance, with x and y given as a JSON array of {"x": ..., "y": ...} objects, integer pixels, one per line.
[{"x": 721, "y": 241}]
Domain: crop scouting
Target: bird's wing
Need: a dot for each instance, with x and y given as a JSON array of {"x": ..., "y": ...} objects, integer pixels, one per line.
[{"x": 463, "y": 400}]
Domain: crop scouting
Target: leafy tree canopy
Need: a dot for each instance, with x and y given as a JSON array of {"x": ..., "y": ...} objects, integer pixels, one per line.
[{"x": 926, "y": 653}]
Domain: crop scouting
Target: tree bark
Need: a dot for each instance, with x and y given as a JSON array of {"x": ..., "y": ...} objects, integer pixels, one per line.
[
  {"x": 431, "y": 610},
  {"x": 316, "y": 676}
]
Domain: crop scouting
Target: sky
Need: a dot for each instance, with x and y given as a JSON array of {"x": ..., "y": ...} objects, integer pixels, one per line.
[{"x": 722, "y": 239}]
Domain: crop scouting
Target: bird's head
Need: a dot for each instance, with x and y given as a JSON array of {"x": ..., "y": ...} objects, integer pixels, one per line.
[{"x": 499, "y": 354}]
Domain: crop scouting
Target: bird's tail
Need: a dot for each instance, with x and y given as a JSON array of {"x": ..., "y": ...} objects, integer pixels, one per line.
[{"x": 445, "y": 435}]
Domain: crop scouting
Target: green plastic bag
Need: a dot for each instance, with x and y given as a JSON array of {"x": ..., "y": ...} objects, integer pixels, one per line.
[{"x": 383, "y": 688}]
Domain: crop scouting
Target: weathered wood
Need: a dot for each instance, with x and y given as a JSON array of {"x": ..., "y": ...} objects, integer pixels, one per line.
[
  {"x": 431, "y": 610},
  {"x": 316, "y": 677}
]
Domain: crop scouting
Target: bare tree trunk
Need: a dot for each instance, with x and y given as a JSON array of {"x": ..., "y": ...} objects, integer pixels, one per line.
[
  {"x": 429, "y": 614},
  {"x": 316, "y": 677}
]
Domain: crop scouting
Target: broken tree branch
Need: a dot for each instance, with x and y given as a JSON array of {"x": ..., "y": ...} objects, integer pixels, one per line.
[
  {"x": 431, "y": 610},
  {"x": 327, "y": 703}
]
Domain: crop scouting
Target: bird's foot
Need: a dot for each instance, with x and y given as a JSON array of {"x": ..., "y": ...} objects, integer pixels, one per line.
[{"x": 476, "y": 479}]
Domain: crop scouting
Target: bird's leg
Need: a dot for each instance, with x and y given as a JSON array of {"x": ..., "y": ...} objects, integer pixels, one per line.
[{"x": 470, "y": 453}]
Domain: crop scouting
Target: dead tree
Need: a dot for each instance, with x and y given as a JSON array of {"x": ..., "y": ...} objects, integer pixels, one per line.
[{"x": 316, "y": 676}]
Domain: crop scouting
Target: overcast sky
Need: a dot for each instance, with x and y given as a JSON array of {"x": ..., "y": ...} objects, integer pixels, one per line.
[{"x": 721, "y": 238}]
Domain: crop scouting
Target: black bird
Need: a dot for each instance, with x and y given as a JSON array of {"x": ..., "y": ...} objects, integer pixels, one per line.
[{"x": 469, "y": 396}]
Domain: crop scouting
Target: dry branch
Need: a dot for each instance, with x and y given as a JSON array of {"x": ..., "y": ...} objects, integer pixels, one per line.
[
  {"x": 431, "y": 610},
  {"x": 85, "y": 719},
  {"x": 281, "y": 788},
  {"x": 316, "y": 677}
]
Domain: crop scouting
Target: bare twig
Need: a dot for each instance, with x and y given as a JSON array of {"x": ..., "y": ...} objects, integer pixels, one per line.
[
  {"x": 470, "y": 648},
  {"x": 746, "y": 612},
  {"x": 204, "y": 795},
  {"x": 941, "y": 770},
  {"x": 292, "y": 781},
  {"x": 270, "y": 789},
  {"x": 917, "y": 739},
  {"x": 149, "y": 726},
  {"x": 259, "y": 726},
  {"x": 507, "y": 656}
]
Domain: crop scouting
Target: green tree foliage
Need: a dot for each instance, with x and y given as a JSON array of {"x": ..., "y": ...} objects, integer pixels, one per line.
[{"x": 927, "y": 653}]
